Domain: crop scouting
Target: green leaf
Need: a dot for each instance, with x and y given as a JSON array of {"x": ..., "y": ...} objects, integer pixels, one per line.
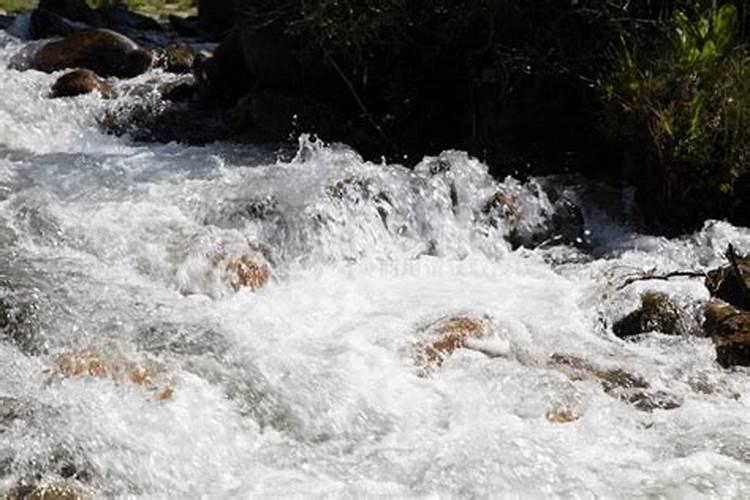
[{"x": 725, "y": 27}]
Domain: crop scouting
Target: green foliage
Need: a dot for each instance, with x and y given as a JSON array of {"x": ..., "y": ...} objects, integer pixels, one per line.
[
  {"x": 683, "y": 107},
  {"x": 148, "y": 6},
  {"x": 13, "y": 6}
]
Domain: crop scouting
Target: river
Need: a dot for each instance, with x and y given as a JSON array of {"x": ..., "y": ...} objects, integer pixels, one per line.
[{"x": 308, "y": 386}]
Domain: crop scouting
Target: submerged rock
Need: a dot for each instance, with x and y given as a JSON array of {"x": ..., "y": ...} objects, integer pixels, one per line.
[
  {"x": 103, "y": 51},
  {"x": 149, "y": 375},
  {"x": 20, "y": 324},
  {"x": 616, "y": 382},
  {"x": 445, "y": 336},
  {"x": 730, "y": 330},
  {"x": 550, "y": 220},
  {"x": 214, "y": 263},
  {"x": 79, "y": 82},
  {"x": 646, "y": 400},
  {"x": 52, "y": 490},
  {"x": 577, "y": 368},
  {"x": 657, "y": 313}
]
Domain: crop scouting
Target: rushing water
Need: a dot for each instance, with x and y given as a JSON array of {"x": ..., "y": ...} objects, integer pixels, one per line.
[{"x": 308, "y": 386}]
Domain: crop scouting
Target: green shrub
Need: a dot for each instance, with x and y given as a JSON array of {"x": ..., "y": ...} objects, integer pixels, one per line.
[{"x": 681, "y": 109}]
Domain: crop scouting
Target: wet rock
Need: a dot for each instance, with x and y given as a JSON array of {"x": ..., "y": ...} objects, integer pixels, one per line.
[
  {"x": 248, "y": 271},
  {"x": 79, "y": 82},
  {"x": 730, "y": 330},
  {"x": 149, "y": 375},
  {"x": 66, "y": 489},
  {"x": 445, "y": 336},
  {"x": 648, "y": 401},
  {"x": 181, "y": 340},
  {"x": 19, "y": 322},
  {"x": 610, "y": 378},
  {"x": 238, "y": 212},
  {"x": 119, "y": 16},
  {"x": 75, "y": 10},
  {"x": 164, "y": 121},
  {"x": 616, "y": 382},
  {"x": 357, "y": 191},
  {"x": 731, "y": 283},
  {"x": 562, "y": 417},
  {"x": 657, "y": 313},
  {"x": 177, "y": 58},
  {"x": 551, "y": 219},
  {"x": 103, "y": 51},
  {"x": 217, "y": 262},
  {"x": 11, "y": 409}
]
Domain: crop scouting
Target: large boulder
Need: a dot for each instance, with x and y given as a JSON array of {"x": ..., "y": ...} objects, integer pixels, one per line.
[
  {"x": 657, "y": 314},
  {"x": 103, "y": 51},
  {"x": 79, "y": 82},
  {"x": 730, "y": 330}
]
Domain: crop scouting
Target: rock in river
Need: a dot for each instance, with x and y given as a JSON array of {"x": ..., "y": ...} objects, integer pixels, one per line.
[
  {"x": 657, "y": 314},
  {"x": 103, "y": 51},
  {"x": 78, "y": 82},
  {"x": 731, "y": 283},
  {"x": 730, "y": 330}
]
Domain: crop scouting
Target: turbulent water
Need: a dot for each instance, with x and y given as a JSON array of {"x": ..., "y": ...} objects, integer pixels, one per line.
[{"x": 308, "y": 386}]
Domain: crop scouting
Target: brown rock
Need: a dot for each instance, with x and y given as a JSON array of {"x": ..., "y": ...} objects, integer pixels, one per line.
[
  {"x": 730, "y": 330},
  {"x": 103, "y": 51},
  {"x": 562, "y": 417},
  {"x": 248, "y": 271},
  {"x": 79, "y": 82},
  {"x": 56, "y": 490},
  {"x": 150, "y": 376},
  {"x": 447, "y": 336},
  {"x": 579, "y": 369}
]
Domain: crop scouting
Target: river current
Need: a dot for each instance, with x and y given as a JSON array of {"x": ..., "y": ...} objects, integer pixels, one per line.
[{"x": 308, "y": 386}]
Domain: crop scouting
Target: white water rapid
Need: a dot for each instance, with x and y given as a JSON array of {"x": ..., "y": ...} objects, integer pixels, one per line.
[{"x": 308, "y": 387}]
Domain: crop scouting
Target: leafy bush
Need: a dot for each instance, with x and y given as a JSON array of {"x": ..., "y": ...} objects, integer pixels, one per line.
[{"x": 681, "y": 109}]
